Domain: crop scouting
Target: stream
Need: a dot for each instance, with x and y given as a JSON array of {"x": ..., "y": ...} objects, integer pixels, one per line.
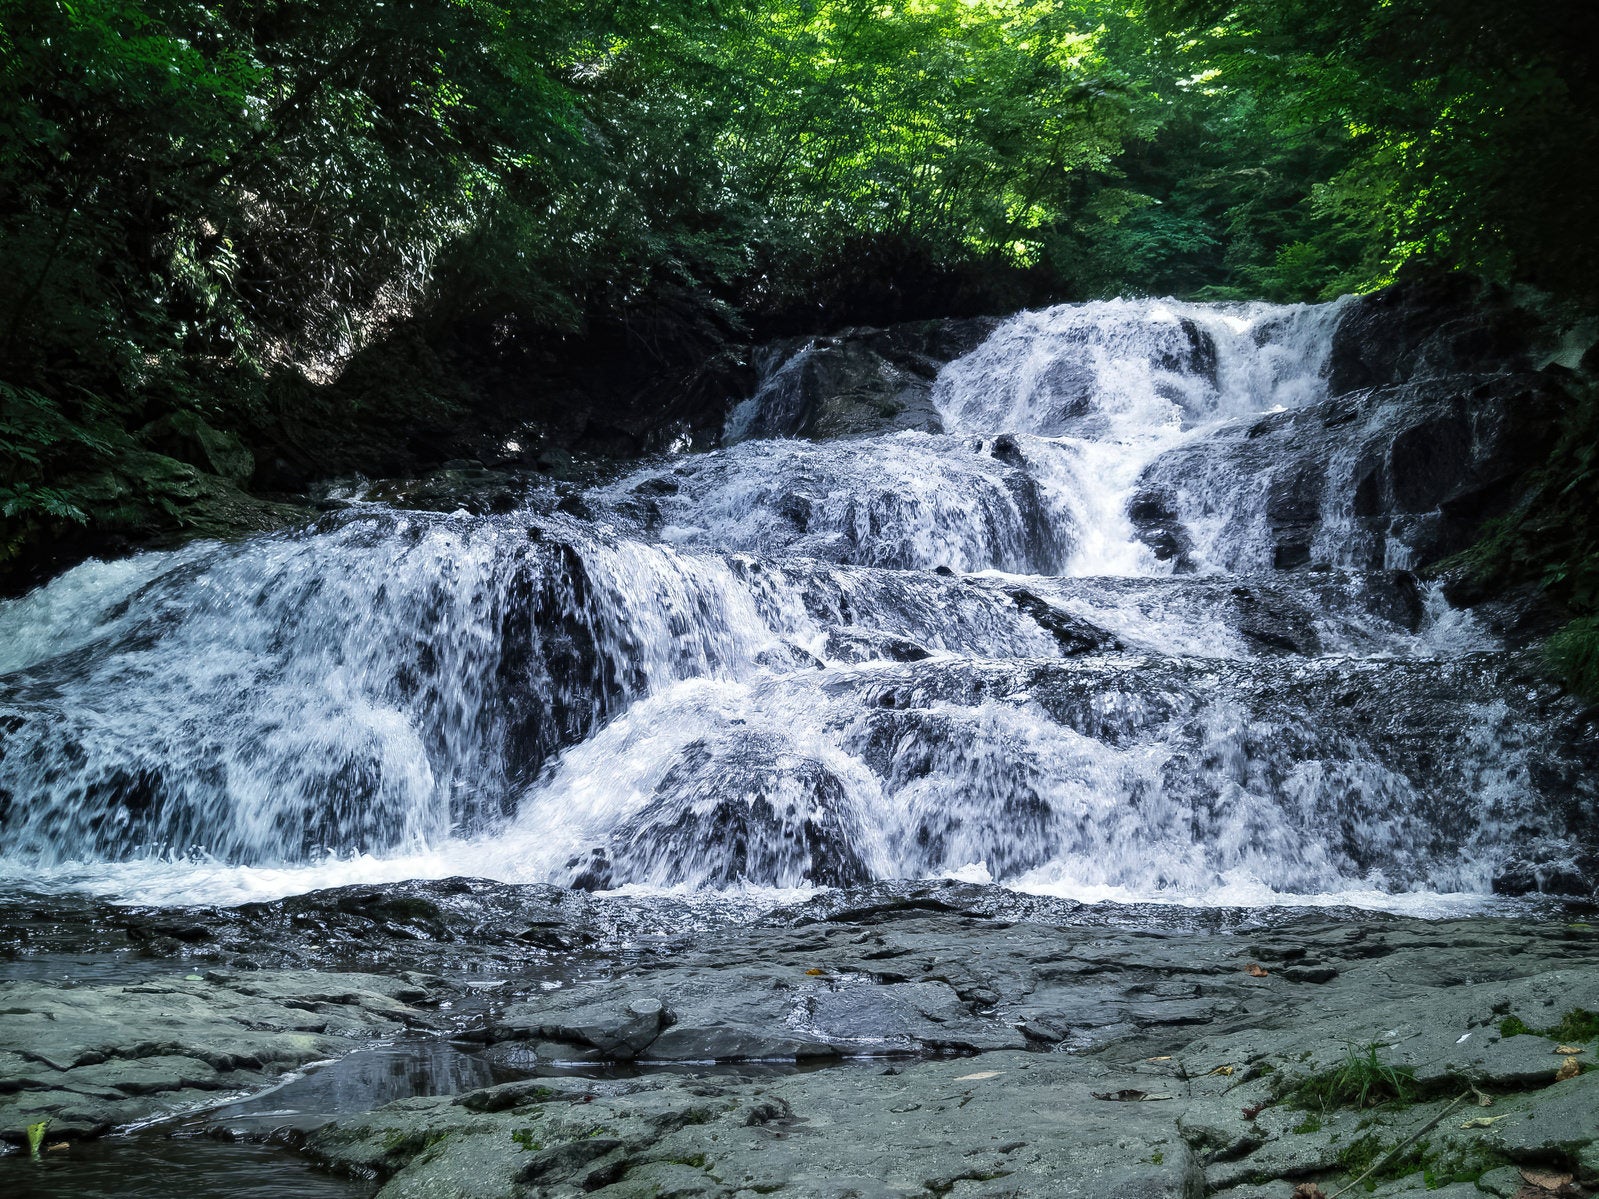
[{"x": 1119, "y": 618}]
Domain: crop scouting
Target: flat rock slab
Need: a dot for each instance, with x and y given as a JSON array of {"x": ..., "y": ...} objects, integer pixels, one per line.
[
  {"x": 902, "y": 1039},
  {"x": 89, "y": 1058},
  {"x": 1009, "y": 1124},
  {"x": 1022, "y": 1124}
]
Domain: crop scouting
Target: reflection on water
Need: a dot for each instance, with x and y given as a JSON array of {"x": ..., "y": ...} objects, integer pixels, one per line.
[
  {"x": 150, "y": 1167},
  {"x": 363, "y": 1080}
]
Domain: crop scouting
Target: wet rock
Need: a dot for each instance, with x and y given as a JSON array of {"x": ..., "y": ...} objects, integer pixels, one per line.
[
  {"x": 1406, "y": 474},
  {"x": 459, "y": 486},
  {"x": 1007, "y": 449},
  {"x": 1559, "y": 873},
  {"x": 1073, "y": 634},
  {"x": 91, "y": 1057},
  {"x": 1293, "y": 510},
  {"x": 778, "y": 817},
  {"x": 1153, "y": 512},
  {"x": 1428, "y": 462},
  {"x": 1428, "y": 327},
  {"x": 612, "y": 1032},
  {"x": 1196, "y": 357},
  {"x": 1274, "y": 626},
  {"x": 866, "y": 645},
  {"x": 854, "y": 383}
]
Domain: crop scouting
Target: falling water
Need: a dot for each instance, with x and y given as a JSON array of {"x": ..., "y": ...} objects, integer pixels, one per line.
[{"x": 1076, "y": 640}]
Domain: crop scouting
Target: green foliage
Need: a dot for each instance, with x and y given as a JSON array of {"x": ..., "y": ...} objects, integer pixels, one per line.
[
  {"x": 1461, "y": 123},
  {"x": 1574, "y": 653},
  {"x": 1577, "y": 1025},
  {"x": 211, "y": 211},
  {"x": 1361, "y": 1080},
  {"x": 36, "y": 1137}
]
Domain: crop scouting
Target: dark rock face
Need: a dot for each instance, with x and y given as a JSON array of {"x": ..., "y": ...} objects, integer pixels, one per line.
[
  {"x": 1428, "y": 327},
  {"x": 856, "y": 382},
  {"x": 1198, "y": 358},
  {"x": 1409, "y": 471},
  {"x": 1293, "y": 506},
  {"x": 1273, "y": 626},
  {"x": 1434, "y": 428},
  {"x": 1074, "y": 634},
  {"x": 1154, "y": 516}
]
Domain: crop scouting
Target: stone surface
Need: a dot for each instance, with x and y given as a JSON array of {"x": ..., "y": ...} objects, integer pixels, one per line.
[
  {"x": 898, "y": 1039},
  {"x": 88, "y": 1058},
  {"x": 1438, "y": 324},
  {"x": 856, "y": 382},
  {"x": 1423, "y": 464},
  {"x": 1024, "y": 1124}
]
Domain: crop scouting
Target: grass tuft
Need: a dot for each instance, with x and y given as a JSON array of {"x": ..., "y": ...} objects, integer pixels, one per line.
[{"x": 1361, "y": 1080}]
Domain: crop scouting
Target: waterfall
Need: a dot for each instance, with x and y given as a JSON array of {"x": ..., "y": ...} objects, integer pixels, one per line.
[{"x": 1112, "y": 625}]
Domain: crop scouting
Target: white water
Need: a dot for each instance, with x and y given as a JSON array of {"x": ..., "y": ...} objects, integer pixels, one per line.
[{"x": 769, "y": 686}]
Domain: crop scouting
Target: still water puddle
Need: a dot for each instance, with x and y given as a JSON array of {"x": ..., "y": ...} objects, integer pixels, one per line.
[
  {"x": 154, "y": 1167},
  {"x": 233, "y": 1151}
]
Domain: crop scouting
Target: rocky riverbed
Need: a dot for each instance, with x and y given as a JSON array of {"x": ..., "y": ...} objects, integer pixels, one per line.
[{"x": 898, "y": 1040}]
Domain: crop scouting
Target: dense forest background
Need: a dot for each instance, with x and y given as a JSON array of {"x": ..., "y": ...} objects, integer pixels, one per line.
[{"x": 247, "y": 244}]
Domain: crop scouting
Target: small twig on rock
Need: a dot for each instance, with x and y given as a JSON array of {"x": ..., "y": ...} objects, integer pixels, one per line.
[{"x": 1389, "y": 1156}]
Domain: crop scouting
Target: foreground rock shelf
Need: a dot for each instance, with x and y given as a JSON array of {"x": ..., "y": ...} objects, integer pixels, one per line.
[{"x": 920, "y": 1039}]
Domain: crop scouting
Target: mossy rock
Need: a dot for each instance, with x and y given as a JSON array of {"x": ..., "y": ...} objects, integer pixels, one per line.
[{"x": 186, "y": 437}]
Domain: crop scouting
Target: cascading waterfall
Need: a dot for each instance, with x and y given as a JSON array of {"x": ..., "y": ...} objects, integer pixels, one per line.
[{"x": 1065, "y": 642}]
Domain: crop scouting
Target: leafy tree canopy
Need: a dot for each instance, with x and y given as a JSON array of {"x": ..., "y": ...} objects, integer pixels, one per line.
[{"x": 207, "y": 208}]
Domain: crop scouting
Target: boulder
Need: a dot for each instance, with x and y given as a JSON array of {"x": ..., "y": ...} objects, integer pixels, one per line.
[
  {"x": 855, "y": 383},
  {"x": 1427, "y": 327},
  {"x": 1400, "y": 475}
]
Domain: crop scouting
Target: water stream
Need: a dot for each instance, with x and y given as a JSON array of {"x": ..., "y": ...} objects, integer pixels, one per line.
[{"x": 792, "y": 663}]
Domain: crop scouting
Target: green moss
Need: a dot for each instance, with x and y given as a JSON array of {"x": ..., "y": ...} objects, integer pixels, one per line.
[
  {"x": 1576, "y": 1025},
  {"x": 1311, "y": 1123},
  {"x": 1514, "y": 1026},
  {"x": 1362, "y": 1154},
  {"x": 524, "y": 1138},
  {"x": 1449, "y": 1166}
]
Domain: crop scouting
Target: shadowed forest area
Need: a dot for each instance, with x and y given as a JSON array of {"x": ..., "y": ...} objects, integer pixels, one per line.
[{"x": 250, "y": 245}]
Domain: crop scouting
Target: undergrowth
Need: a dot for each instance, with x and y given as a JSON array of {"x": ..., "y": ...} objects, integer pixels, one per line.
[
  {"x": 1574, "y": 654},
  {"x": 1576, "y": 1025},
  {"x": 1361, "y": 1080}
]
